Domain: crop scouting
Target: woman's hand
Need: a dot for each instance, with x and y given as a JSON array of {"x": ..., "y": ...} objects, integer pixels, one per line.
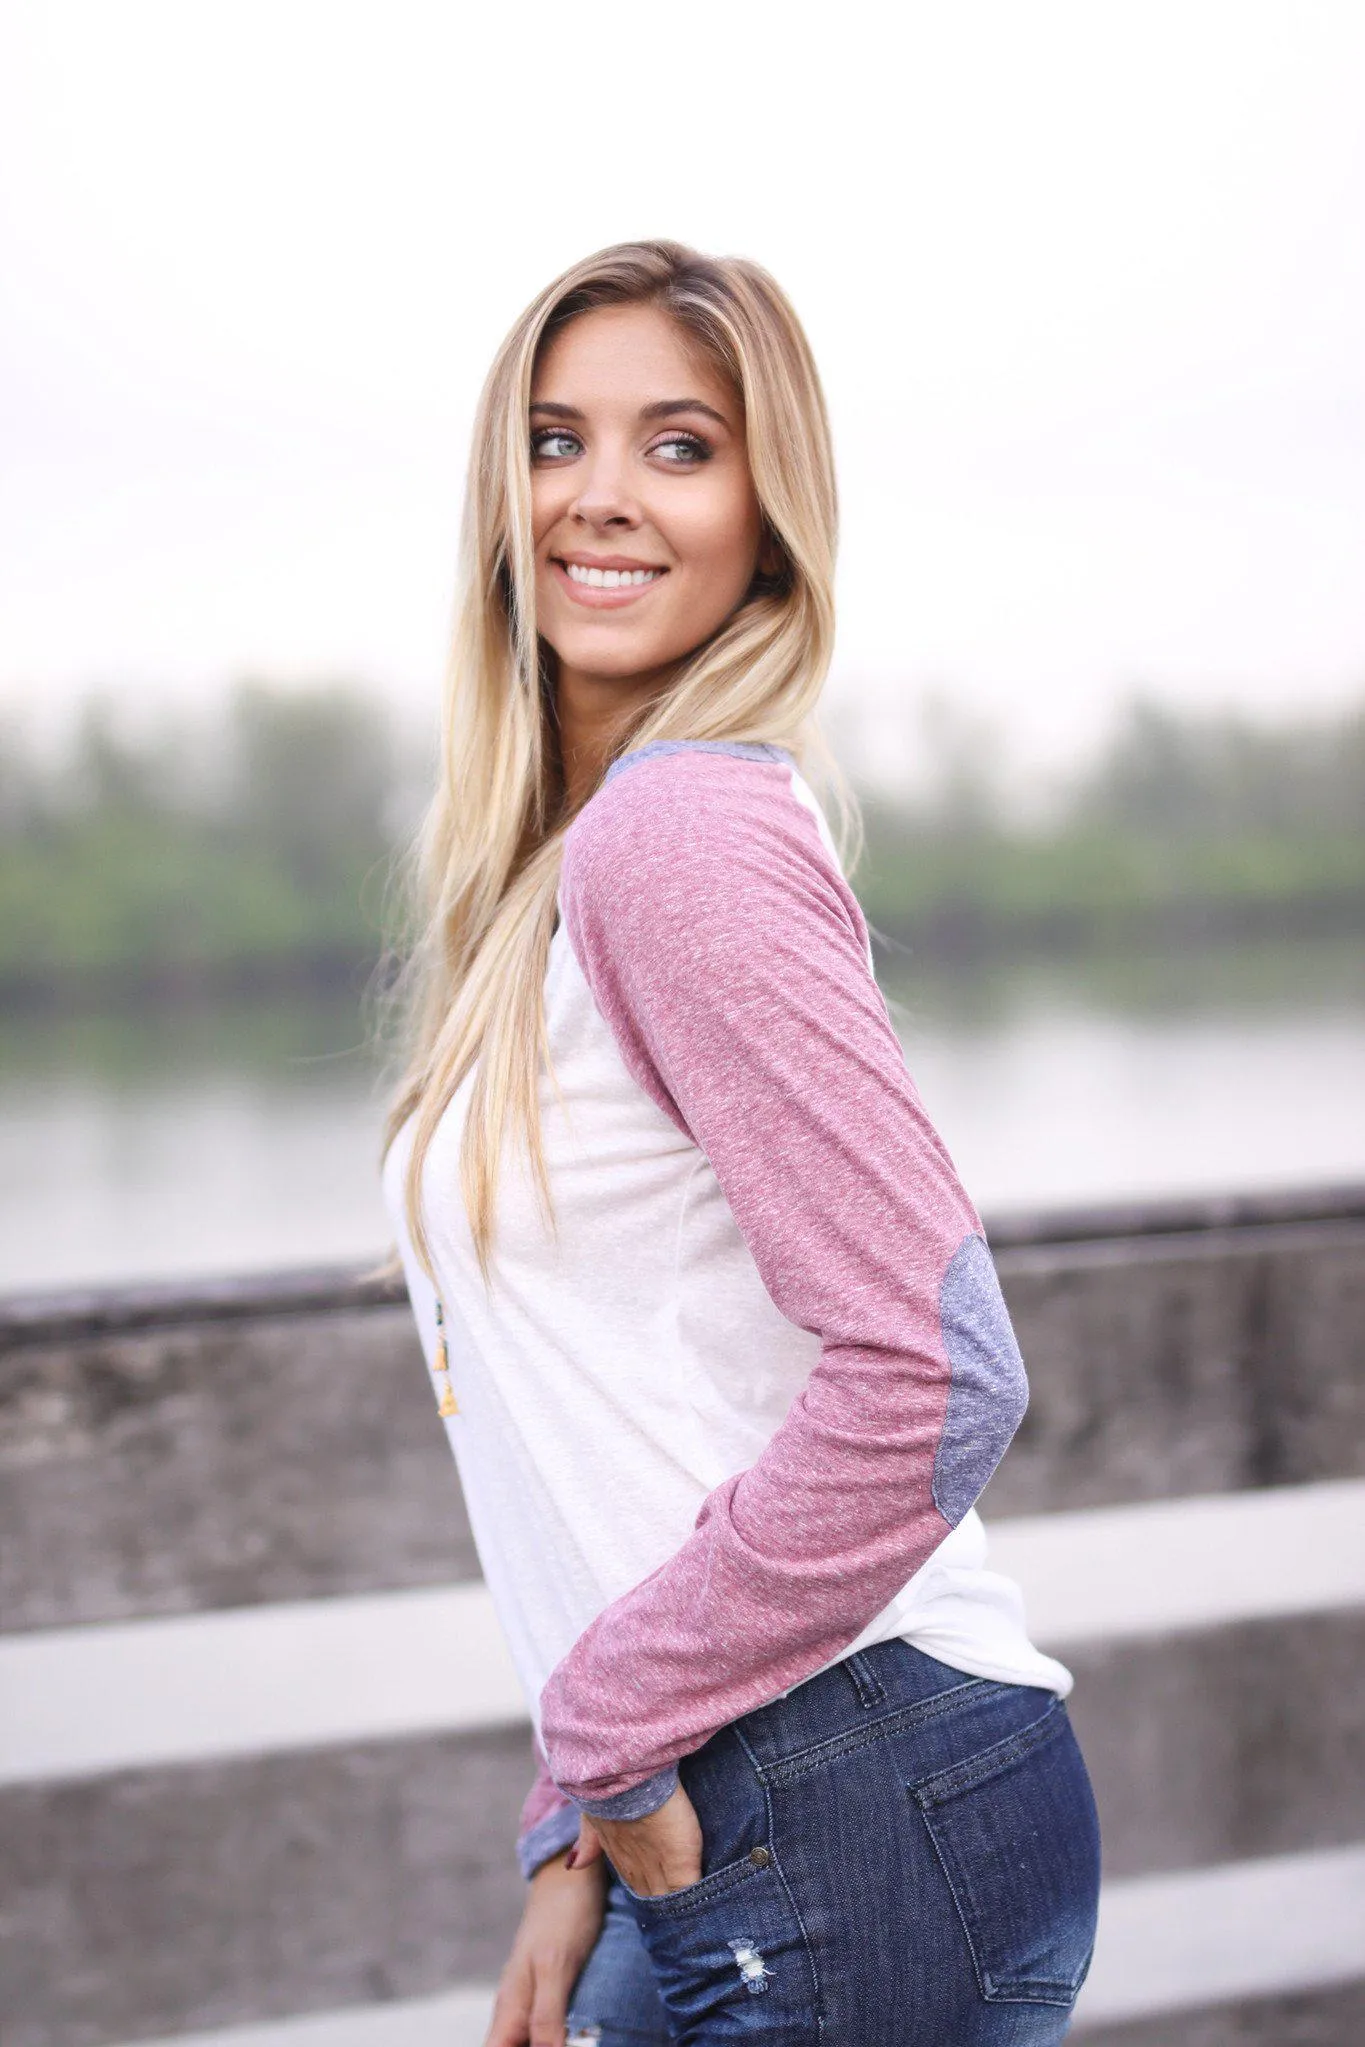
[
  {"x": 661, "y": 1852},
  {"x": 559, "y": 1928}
]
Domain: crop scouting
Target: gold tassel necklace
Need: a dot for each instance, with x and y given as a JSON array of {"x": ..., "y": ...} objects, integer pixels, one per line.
[{"x": 446, "y": 1404}]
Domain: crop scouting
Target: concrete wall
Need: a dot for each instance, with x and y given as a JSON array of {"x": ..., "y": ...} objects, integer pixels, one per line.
[{"x": 187, "y": 1451}]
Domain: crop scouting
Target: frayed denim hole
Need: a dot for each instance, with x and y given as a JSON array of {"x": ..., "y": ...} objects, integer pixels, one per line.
[{"x": 754, "y": 1972}]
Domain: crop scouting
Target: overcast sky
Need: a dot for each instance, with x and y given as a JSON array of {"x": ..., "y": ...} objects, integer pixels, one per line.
[{"x": 1086, "y": 283}]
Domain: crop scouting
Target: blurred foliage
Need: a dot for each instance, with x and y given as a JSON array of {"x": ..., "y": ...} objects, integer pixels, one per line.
[
  {"x": 1184, "y": 828},
  {"x": 252, "y": 849}
]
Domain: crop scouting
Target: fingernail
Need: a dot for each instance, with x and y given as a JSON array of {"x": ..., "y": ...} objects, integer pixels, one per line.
[{"x": 571, "y": 1859}]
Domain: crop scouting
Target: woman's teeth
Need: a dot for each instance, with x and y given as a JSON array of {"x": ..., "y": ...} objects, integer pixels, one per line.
[{"x": 610, "y": 579}]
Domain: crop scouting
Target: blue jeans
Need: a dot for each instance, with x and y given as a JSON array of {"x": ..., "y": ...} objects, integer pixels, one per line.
[{"x": 896, "y": 1855}]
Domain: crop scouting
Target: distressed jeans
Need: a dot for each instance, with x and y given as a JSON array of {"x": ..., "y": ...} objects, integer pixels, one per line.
[{"x": 896, "y": 1854}]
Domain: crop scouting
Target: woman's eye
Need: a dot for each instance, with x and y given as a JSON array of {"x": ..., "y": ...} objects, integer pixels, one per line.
[
  {"x": 552, "y": 443},
  {"x": 682, "y": 451}
]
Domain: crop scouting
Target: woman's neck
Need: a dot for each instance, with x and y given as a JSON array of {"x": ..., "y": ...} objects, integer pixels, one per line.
[{"x": 591, "y": 714}]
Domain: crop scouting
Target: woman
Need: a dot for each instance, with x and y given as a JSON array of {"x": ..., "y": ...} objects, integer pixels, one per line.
[{"x": 719, "y": 1343}]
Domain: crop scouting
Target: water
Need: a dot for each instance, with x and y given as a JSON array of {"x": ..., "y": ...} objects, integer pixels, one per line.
[{"x": 245, "y": 1139}]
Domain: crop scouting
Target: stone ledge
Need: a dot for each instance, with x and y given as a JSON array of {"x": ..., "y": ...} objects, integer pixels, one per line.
[{"x": 78, "y": 1312}]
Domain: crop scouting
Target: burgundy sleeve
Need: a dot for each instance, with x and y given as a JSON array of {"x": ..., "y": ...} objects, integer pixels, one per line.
[{"x": 729, "y": 958}]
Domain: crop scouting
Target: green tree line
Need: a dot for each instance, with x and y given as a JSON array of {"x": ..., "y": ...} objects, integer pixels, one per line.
[
  {"x": 246, "y": 848},
  {"x": 254, "y": 847},
  {"x": 1183, "y": 827}
]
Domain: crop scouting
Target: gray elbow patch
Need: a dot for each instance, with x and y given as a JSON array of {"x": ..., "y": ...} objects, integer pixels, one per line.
[{"x": 988, "y": 1390}]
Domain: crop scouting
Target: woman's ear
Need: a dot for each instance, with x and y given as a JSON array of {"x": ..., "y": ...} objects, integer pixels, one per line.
[
  {"x": 772, "y": 570},
  {"x": 772, "y": 559}
]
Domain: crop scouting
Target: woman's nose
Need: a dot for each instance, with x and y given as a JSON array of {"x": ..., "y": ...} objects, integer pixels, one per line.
[{"x": 604, "y": 497}]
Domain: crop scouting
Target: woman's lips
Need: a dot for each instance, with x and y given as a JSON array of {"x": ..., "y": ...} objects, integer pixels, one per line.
[{"x": 597, "y": 596}]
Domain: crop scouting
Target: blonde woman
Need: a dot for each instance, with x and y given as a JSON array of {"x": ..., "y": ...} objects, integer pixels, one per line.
[{"x": 712, "y": 1323}]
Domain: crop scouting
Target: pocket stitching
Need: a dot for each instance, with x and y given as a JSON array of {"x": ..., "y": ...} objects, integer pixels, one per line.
[
  {"x": 1020, "y": 1989},
  {"x": 732, "y": 1877},
  {"x": 966, "y": 1776},
  {"x": 817, "y": 1993},
  {"x": 988, "y": 1762},
  {"x": 789, "y": 1768},
  {"x": 693, "y": 1896}
]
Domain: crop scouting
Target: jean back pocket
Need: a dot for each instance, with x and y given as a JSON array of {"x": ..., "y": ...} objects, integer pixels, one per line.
[{"x": 1016, "y": 1832}]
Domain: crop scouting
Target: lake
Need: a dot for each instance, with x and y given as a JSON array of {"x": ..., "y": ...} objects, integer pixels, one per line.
[{"x": 196, "y": 1142}]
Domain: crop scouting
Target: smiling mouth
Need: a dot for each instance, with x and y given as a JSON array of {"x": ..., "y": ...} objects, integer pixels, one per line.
[
  {"x": 610, "y": 579},
  {"x": 603, "y": 588}
]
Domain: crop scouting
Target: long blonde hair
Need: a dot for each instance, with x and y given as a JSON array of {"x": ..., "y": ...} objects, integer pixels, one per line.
[{"x": 490, "y": 849}]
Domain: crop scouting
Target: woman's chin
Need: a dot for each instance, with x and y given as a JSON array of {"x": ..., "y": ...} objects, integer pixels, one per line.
[{"x": 611, "y": 657}]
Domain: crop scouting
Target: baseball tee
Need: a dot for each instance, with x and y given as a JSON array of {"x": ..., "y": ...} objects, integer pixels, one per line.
[{"x": 724, "y": 1415}]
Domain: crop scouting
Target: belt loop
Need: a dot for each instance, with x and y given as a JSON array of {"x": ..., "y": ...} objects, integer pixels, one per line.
[{"x": 866, "y": 1683}]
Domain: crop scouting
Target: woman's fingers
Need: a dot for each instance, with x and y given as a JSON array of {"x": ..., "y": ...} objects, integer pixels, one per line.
[
  {"x": 560, "y": 1921},
  {"x": 661, "y": 1852},
  {"x": 549, "y": 2011},
  {"x": 533, "y": 2012},
  {"x": 511, "y": 2024}
]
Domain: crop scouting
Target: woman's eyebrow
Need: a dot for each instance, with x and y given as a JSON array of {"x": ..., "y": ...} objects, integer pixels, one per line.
[
  {"x": 662, "y": 408},
  {"x": 666, "y": 406}
]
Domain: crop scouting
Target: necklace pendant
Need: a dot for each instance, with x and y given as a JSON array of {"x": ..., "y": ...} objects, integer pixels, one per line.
[{"x": 447, "y": 1404}]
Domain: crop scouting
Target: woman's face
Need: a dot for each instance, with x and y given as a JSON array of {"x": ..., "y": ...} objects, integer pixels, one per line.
[{"x": 647, "y": 528}]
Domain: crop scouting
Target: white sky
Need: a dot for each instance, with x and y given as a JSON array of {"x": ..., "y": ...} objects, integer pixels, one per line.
[{"x": 1086, "y": 282}]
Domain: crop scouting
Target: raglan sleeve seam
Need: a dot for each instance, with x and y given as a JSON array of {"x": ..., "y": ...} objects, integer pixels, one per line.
[{"x": 720, "y": 946}]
